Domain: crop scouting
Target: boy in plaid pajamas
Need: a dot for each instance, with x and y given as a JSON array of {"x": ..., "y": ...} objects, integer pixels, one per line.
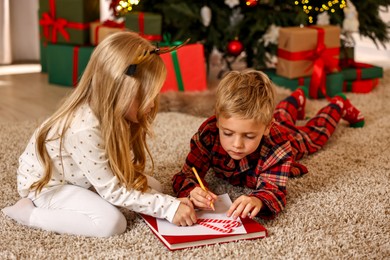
[{"x": 250, "y": 143}]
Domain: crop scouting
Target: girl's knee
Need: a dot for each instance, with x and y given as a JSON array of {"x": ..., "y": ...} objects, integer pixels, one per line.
[
  {"x": 120, "y": 224},
  {"x": 112, "y": 225}
]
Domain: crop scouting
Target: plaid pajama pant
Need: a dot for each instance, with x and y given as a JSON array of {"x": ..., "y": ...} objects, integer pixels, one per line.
[{"x": 310, "y": 137}]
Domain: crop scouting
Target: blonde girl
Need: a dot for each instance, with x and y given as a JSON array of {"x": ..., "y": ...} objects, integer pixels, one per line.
[{"x": 90, "y": 155}]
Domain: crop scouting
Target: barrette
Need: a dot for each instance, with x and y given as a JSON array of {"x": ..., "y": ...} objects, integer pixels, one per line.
[{"x": 131, "y": 69}]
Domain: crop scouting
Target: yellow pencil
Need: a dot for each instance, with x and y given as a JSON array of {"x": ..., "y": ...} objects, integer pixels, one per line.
[{"x": 201, "y": 185}]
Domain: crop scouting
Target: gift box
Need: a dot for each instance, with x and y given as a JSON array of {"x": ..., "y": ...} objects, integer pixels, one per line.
[
  {"x": 66, "y": 63},
  {"x": 67, "y": 21},
  {"x": 359, "y": 71},
  {"x": 309, "y": 51},
  {"x": 186, "y": 69},
  {"x": 42, "y": 54},
  {"x": 99, "y": 31},
  {"x": 334, "y": 83},
  {"x": 347, "y": 54},
  {"x": 148, "y": 25},
  {"x": 360, "y": 86},
  {"x": 303, "y": 50}
]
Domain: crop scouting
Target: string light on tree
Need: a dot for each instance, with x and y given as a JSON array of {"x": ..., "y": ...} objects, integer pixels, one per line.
[
  {"x": 312, "y": 10},
  {"x": 121, "y": 7},
  {"x": 251, "y": 2}
]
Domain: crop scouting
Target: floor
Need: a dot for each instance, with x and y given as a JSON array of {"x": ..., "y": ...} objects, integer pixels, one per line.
[{"x": 26, "y": 95}]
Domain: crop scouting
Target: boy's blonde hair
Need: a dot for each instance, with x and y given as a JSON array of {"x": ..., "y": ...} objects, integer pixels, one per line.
[
  {"x": 248, "y": 95},
  {"x": 109, "y": 92}
]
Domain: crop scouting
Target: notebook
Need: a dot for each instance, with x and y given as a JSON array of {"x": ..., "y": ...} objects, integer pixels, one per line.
[{"x": 215, "y": 227}]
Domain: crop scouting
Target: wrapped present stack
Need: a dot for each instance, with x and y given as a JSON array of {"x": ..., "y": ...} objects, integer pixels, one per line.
[
  {"x": 311, "y": 57},
  {"x": 70, "y": 30},
  {"x": 186, "y": 66},
  {"x": 360, "y": 77},
  {"x": 65, "y": 38}
]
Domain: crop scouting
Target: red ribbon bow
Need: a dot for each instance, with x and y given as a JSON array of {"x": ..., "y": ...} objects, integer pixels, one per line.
[
  {"x": 323, "y": 62},
  {"x": 58, "y": 25},
  {"x": 48, "y": 21}
]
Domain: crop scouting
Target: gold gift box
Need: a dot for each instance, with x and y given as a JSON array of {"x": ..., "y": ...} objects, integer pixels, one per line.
[{"x": 295, "y": 40}]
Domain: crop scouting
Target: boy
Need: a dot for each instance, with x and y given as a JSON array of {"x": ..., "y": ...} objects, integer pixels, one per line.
[{"x": 249, "y": 142}]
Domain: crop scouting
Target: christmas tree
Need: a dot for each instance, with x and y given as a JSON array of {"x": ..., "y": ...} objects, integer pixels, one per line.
[{"x": 252, "y": 25}]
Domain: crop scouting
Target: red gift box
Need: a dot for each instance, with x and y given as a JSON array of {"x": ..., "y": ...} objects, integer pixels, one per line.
[
  {"x": 186, "y": 68},
  {"x": 360, "y": 86}
]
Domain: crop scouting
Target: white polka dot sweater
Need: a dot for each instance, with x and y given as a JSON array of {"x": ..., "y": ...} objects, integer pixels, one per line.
[{"x": 83, "y": 162}]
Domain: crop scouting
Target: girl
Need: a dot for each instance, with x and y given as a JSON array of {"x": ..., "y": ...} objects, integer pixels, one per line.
[{"x": 97, "y": 141}]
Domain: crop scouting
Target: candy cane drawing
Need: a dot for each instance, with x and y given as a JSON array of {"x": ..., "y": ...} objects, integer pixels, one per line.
[{"x": 227, "y": 224}]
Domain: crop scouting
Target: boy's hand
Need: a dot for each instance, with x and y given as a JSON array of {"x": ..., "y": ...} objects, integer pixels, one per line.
[
  {"x": 245, "y": 206},
  {"x": 202, "y": 199},
  {"x": 185, "y": 214}
]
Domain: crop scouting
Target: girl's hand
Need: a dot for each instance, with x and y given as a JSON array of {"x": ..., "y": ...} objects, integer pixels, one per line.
[
  {"x": 185, "y": 214},
  {"x": 202, "y": 199},
  {"x": 245, "y": 206}
]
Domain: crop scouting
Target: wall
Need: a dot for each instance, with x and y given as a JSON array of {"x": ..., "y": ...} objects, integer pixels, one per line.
[
  {"x": 24, "y": 30},
  {"x": 367, "y": 51}
]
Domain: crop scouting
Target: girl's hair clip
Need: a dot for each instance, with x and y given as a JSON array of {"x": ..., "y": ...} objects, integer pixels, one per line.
[{"x": 131, "y": 69}]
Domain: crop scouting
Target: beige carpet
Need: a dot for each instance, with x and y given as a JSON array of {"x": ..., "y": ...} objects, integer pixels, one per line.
[{"x": 340, "y": 210}]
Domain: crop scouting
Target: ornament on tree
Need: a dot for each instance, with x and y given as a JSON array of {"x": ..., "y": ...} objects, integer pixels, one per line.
[
  {"x": 323, "y": 18},
  {"x": 236, "y": 17},
  {"x": 235, "y": 47},
  {"x": 351, "y": 22},
  {"x": 271, "y": 35},
  {"x": 251, "y": 2},
  {"x": 232, "y": 3},
  {"x": 205, "y": 14}
]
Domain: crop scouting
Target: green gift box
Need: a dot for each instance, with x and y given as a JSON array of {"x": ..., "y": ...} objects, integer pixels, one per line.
[
  {"x": 347, "y": 54},
  {"x": 148, "y": 25},
  {"x": 359, "y": 71},
  {"x": 43, "y": 60},
  {"x": 66, "y": 63},
  {"x": 334, "y": 82},
  {"x": 67, "y": 21}
]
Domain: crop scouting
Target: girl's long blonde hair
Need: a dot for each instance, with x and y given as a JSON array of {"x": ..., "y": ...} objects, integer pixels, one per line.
[{"x": 109, "y": 92}]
